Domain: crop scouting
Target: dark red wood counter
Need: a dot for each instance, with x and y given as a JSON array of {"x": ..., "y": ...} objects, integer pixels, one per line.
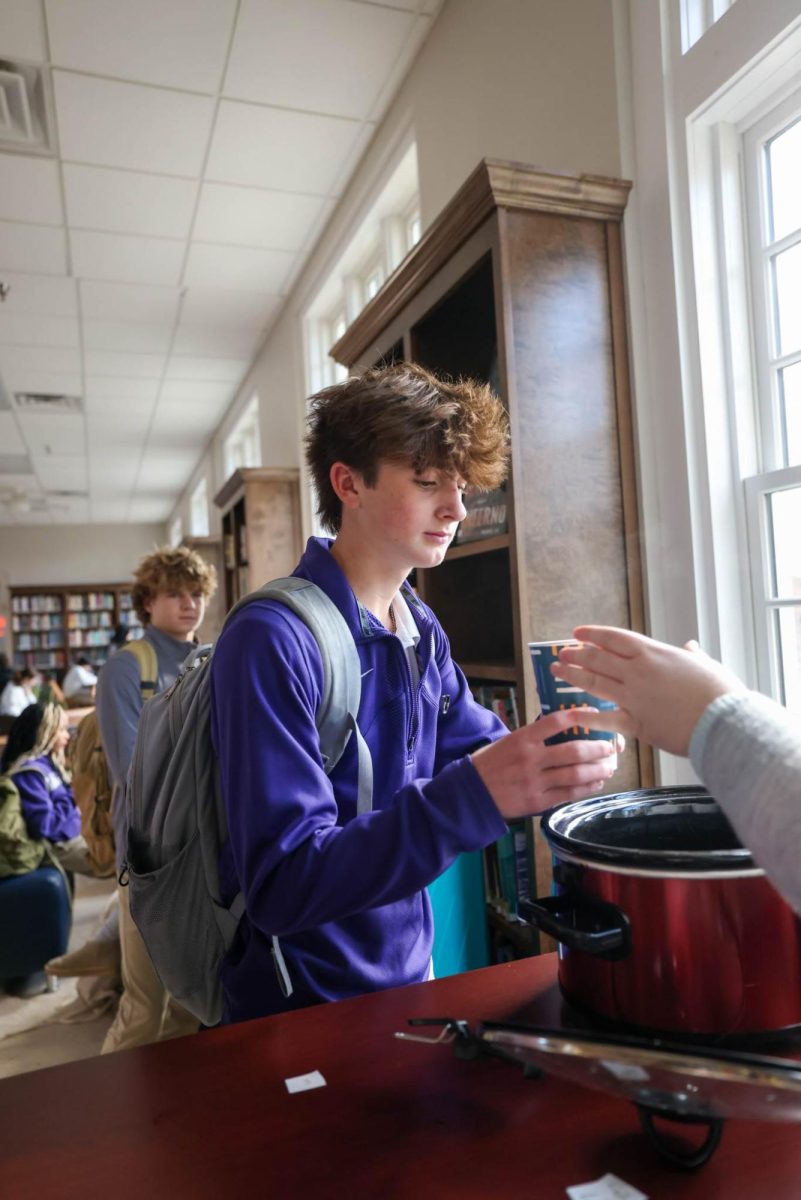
[{"x": 210, "y": 1117}]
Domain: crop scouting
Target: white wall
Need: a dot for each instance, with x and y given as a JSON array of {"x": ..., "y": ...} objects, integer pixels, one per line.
[
  {"x": 527, "y": 80},
  {"x": 61, "y": 554}
]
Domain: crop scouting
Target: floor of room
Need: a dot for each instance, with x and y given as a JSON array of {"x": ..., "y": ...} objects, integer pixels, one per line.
[{"x": 59, "y": 1027}]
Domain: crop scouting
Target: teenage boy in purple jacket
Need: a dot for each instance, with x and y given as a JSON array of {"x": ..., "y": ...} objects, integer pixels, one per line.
[{"x": 390, "y": 453}]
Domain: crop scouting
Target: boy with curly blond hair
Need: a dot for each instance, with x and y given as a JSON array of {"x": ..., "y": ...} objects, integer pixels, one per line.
[
  {"x": 169, "y": 594},
  {"x": 390, "y": 453}
]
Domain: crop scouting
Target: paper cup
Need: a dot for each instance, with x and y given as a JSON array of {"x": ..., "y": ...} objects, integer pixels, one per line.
[{"x": 555, "y": 694}]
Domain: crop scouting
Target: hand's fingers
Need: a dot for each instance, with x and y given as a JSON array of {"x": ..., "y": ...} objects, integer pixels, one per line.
[
  {"x": 611, "y": 720},
  {"x": 557, "y": 722},
  {"x": 624, "y": 642},
  {"x": 568, "y": 795},
  {"x": 589, "y": 680},
  {"x": 584, "y": 775}
]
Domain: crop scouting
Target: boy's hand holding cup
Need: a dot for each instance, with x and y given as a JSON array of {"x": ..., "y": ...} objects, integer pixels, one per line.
[{"x": 555, "y": 694}]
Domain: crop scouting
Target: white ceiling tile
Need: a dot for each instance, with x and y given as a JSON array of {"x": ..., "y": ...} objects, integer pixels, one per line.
[
  {"x": 104, "y": 391},
  {"x": 28, "y": 329},
  {"x": 226, "y": 306},
  {"x": 18, "y": 360},
  {"x": 106, "y": 511},
  {"x": 261, "y": 146},
  {"x": 48, "y": 295},
  {"x": 29, "y": 190},
  {"x": 136, "y": 366},
  {"x": 206, "y": 339},
  {"x": 128, "y": 201},
  {"x": 164, "y": 470},
  {"x": 282, "y": 54},
  {"x": 36, "y": 248},
  {"x": 145, "y": 509},
  {"x": 21, "y": 30},
  {"x": 126, "y": 259},
  {"x": 177, "y": 43},
  {"x": 124, "y": 125},
  {"x": 199, "y": 390},
  {"x": 69, "y": 510},
  {"x": 128, "y": 302},
  {"x": 116, "y": 464},
  {"x": 222, "y": 370},
  {"x": 61, "y": 472},
  {"x": 237, "y": 267},
  {"x": 52, "y": 435},
  {"x": 255, "y": 217},
  {"x": 10, "y": 438},
  {"x": 181, "y": 417},
  {"x": 136, "y": 336},
  {"x": 61, "y": 383}
]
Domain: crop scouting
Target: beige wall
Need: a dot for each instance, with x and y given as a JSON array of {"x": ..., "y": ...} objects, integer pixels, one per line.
[{"x": 56, "y": 554}]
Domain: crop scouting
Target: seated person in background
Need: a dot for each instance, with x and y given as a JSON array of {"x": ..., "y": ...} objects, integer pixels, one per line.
[
  {"x": 6, "y": 671},
  {"x": 16, "y": 696},
  {"x": 34, "y": 758},
  {"x": 49, "y": 691},
  {"x": 745, "y": 748},
  {"x": 79, "y": 684}
]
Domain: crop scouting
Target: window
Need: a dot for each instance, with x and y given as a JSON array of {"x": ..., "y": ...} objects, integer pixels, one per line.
[
  {"x": 772, "y": 157},
  {"x": 199, "y": 510},
  {"x": 176, "y": 532},
  {"x": 697, "y": 16},
  {"x": 242, "y": 447}
]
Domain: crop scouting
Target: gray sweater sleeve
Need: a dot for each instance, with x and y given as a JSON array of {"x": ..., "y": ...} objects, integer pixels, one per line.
[{"x": 747, "y": 750}]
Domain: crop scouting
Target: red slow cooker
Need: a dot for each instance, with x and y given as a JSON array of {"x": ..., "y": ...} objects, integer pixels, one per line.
[{"x": 664, "y": 922}]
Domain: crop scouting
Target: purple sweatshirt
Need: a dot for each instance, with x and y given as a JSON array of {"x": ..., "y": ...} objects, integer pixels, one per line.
[
  {"x": 345, "y": 893},
  {"x": 47, "y": 802}
]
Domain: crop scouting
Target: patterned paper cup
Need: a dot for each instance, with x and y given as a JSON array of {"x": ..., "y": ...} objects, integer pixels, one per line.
[{"x": 555, "y": 694}]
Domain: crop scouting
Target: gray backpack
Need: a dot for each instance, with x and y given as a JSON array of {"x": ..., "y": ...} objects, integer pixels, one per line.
[{"x": 177, "y": 823}]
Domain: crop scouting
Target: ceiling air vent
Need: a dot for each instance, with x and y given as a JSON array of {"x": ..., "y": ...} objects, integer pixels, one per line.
[
  {"x": 43, "y": 402},
  {"x": 24, "y": 108}
]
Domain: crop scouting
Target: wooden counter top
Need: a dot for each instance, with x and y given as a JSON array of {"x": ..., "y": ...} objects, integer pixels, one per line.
[{"x": 210, "y": 1117}]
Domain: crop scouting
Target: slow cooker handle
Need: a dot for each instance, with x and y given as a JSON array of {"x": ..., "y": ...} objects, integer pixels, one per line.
[{"x": 591, "y": 926}]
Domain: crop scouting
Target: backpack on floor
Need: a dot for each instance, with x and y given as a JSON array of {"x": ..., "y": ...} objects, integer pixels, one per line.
[
  {"x": 176, "y": 816},
  {"x": 19, "y": 852},
  {"x": 91, "y": 783}
]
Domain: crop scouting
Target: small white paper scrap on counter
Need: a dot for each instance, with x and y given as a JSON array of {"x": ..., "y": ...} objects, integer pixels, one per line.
[
  {"x": 303, "y": 1083},
  {"x": 608, "y": 1187}
]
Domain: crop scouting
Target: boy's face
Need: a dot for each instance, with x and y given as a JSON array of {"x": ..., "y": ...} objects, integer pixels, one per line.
[
  {"x": 409, "y": 517},
  {"x": 177, "y": 612}
]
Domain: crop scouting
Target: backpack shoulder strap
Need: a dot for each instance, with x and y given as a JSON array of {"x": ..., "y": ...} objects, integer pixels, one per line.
[
  {"x": 336, "y": 715},
  {"x": 145, "y": 654}
]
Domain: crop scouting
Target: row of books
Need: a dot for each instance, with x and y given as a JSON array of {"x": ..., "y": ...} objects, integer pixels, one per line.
[
  {"x": 501, "y": 698},
  {"x": 486, "y": 516},
  {"x": 91, "y": 601},
  {"x": 508, "y": 870},
  {"x": 37, "y": 622},
  {"x": 36, "y": 604}
]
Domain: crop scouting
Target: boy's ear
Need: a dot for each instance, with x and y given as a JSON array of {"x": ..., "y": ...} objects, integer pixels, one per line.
[{"x": 347, "y": 484}]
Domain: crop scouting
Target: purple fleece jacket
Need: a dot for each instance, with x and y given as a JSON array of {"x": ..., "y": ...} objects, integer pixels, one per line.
[
  {"x": 47, "y": 801},
  {"x": 345, "y": 893}
]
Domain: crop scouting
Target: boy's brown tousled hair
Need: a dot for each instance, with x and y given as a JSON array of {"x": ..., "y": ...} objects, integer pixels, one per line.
[
  {"x": 405, "y": 414},
  {"x": 170, "y": 568}
]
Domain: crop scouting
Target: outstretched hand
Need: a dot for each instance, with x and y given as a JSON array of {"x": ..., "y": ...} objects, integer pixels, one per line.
[
  {"x": 661, "y": 690},
  {"x": 524, "y": 776}
]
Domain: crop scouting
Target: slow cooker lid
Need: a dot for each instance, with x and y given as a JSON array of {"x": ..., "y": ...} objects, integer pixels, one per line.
[{"x": 653, "y": 828}]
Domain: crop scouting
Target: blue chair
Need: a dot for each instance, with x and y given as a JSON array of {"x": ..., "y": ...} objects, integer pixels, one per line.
[{"x": 35, "y": 920}]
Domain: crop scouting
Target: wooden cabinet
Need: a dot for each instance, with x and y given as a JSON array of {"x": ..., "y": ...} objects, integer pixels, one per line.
[
  {"x": 52, "y": 626},
  {"x": 519, "y": 282},
  {"x": 210, "y": 550},
  {"x": 261, "y": 528}
]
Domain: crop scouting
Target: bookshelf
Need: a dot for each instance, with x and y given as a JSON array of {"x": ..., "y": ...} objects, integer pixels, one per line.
[
  {"x": 519, "y": 282},
  {"x": 261, "y": 530},
  {"x": 52, "y": 626}
]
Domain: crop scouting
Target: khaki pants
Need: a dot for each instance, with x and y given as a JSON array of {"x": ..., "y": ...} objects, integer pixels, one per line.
[{"x": 147, "y": 1013}]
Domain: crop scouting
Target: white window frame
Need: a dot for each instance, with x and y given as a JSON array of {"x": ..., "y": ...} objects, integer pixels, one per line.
[
  {"x": 199, "y": 509},
  {"x": 176, "y": 533},
  {"x": 242, "y": 446}
]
